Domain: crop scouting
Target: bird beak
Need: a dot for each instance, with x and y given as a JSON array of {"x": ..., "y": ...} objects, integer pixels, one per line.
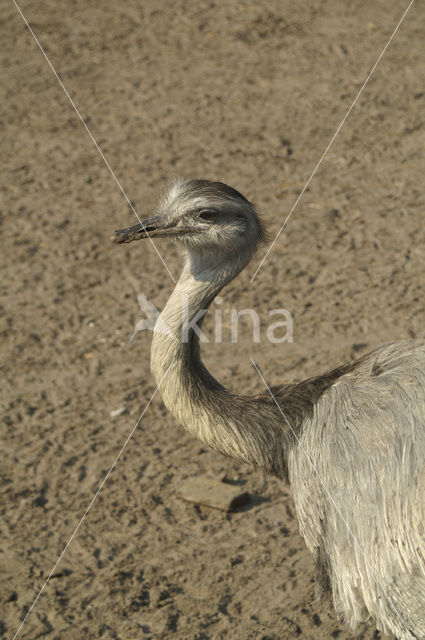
[
  {"x": 157, "y": 226},
  {"x": 141, "y": 230}
]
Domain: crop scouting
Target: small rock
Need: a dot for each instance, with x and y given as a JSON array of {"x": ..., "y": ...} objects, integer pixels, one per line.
[
  {"x": 117, "y": 412},
  {"x": 211, "y": 493}
]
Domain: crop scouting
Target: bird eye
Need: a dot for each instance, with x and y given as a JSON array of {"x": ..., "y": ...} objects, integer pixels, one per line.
[{"x": 209, "y": 214}]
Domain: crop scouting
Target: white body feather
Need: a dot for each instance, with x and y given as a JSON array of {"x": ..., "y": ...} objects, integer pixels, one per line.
[{"x": 358, "y": 478}]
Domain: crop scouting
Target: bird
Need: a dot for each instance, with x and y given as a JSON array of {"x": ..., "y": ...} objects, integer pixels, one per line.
[{"x": 350, "y": 442}]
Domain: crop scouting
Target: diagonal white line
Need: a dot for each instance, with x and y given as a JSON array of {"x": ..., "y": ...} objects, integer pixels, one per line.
[
  {"x": 337, "y": 509},
  {"x": 91, "y": 503},
  {"x": 90, "y": 134},
  {"x": 332, "y": 140}
]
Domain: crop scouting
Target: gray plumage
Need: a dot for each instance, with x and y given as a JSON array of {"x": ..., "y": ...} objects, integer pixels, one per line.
[{"x": 351, "y": 442}]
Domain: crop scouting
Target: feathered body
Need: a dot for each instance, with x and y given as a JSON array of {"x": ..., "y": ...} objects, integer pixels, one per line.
[
  {"x": 351, "y": 442},
  {"x": 358, "y": 480}
]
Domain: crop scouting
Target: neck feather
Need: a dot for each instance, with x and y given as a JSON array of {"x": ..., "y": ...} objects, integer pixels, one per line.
[{"x": 247, "y": 428}]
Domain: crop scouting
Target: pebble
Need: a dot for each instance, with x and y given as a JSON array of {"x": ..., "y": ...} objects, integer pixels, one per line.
[
  {"x": 117, "y": 412},
  {"x": 212, "y": 493}
]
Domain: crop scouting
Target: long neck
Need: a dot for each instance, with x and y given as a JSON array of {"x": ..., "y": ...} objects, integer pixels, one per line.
[{"x": 247, "y": 428}]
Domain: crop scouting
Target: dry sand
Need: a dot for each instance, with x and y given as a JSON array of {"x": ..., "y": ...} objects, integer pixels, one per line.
[{"x": 245, "y": 92}]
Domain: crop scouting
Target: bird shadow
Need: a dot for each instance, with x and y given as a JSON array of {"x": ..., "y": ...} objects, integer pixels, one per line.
[
  {"x": 254, "y": 500},
  {"x": 248, "y": 500}
]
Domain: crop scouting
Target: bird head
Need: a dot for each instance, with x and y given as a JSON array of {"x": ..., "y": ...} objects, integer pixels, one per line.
[{"x": 210, "y": 219}]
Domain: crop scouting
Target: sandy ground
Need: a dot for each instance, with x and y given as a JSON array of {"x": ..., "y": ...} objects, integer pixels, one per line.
[{"x": 248, "y": 93}]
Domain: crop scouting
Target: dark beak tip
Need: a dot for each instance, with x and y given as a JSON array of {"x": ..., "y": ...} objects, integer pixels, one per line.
[
  {"x": 117, "y": 237},
  {"x": 121, "y": 236},
  {"x": 138, "y": 231}
]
